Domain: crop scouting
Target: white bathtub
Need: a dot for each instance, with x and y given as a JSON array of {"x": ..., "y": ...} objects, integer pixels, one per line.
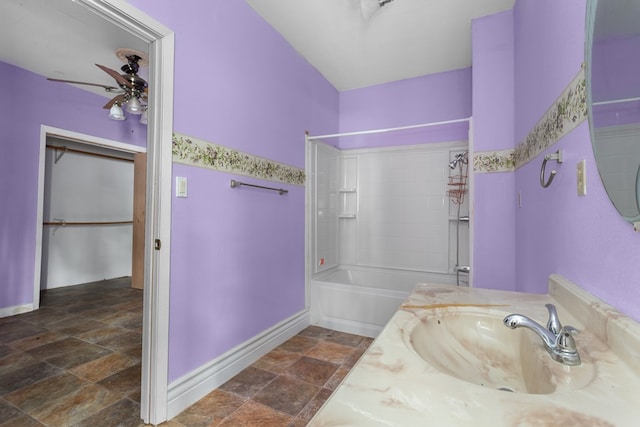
[{"x": 361, "y": 300}]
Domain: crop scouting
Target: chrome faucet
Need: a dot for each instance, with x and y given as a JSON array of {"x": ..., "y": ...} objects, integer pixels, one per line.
[{"x": 558, "y": 339}]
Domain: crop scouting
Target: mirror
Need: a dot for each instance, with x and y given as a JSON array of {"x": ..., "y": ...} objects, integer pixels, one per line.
[{"x": 613, "y": 87}]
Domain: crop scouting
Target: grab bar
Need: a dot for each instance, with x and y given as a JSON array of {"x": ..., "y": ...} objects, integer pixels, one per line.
[
  {"x": 235, "y": 184},
  {"x": 557, "y": 156}
]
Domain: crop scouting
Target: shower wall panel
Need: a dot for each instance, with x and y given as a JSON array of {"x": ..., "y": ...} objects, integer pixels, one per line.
[{"x": 402, "y": 209}]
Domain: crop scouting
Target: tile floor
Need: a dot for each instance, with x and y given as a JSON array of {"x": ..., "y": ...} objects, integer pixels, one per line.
[{"x": 76, "y": 362}]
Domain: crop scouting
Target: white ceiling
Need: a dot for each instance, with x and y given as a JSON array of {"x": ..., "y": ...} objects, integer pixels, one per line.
[
  {"x": 353, "y": 43},
  {"x": 59, "y": 39},
  {"x": 357, "y": 43}
]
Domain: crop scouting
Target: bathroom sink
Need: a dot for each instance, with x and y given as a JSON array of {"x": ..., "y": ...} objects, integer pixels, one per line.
[{"x": 476, "y": 347}]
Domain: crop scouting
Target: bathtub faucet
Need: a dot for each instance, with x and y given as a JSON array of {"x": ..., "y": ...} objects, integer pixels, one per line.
[{"x": 557, "y": 339}]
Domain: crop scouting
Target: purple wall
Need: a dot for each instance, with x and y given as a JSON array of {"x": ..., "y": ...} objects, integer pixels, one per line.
[
  {"x": 433, "y": 98},
  {"x": 494, "y": 201},
  {"x": 582, "y": 238},
  {"x": 237, "y": 256},
  {"x": 27, "y": 102}
]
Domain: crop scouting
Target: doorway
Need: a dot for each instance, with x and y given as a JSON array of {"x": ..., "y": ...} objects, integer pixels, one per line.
[{"x": 93, "y": 214}]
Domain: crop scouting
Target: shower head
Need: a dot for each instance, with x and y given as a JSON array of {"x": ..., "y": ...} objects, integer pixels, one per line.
[{"x": 459, "y": 158}]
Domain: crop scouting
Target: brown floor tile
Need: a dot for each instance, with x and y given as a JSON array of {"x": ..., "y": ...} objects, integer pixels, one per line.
[
  {"x": 124, "y": 382},
  {"x": 26, "y": 376},
  {"x": 210, "y": 410},
  {"x": 17, "y": 330},
  {"x": 82, "y": 403},
  {"x": 8, "y": 412},
  {"x": 35, "y": 395},
  {"x": 253, "y": 414},
  {"x": 315, "y": 332},
  {"x": 299, "y": 344},
  {"x": 118, "y": 317},
  {"x": 287, "y": 395},
  {"x": 37, "y": 340},
  {"x": 315, "y": 404},
  {"x": 312, "y": 370},
  {"x": 277, "y": 361},
  {"x": 104, "y": 367},
  {"x": 337, "y": 378},
  {"x": 23, "y": 421},
  {"x": 59, "y": 348},
  {"x": 14, "y": 361},
  {"x": 45, "y": 316},
  {"x": 122, "y": 413},
  {"x": 4, "y": 350},
  {"x": 330, "y": 352},
  {"x": 101, "y": 334},
  {"x": 79, "y": 357},
  {"x": 123, "y": 342},
  {"x": 75, "y": 326},
  {"x": 248, "y": 382},
  {"x": 343, "y": 338}
]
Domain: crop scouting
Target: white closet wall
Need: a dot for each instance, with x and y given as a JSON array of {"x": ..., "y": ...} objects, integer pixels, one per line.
[{"x": 81, "y": 188}]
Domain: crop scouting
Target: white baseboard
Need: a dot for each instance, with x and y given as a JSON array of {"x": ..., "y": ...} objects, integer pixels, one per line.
[
  {"x": 348, "y": 326},
  {"x": 16, "y": 309},
  {"x": 192, "y": 387}
]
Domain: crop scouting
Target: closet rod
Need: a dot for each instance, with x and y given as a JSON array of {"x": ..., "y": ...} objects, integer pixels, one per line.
[
  {"x": 88, "y": 153},
  {"x": 365, "y": 132},
  {"x": 65, "y": 223}
]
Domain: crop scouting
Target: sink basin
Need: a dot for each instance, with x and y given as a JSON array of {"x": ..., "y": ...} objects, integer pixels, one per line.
[{"x": 476, "y": 347}]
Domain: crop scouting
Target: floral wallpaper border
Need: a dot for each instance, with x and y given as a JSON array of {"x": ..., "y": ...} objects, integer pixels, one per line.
[
  {"x": 196, "y": 152},
  {"x": 564, "y": 115},
  {"x": 494, "y": 161}
]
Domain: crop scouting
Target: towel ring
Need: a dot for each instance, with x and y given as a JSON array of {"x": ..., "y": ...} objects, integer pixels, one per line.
[{"x": 557, "y": 156}]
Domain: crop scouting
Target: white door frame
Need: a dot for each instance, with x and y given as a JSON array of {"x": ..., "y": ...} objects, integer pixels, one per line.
[{"x": 155, "y": 333}]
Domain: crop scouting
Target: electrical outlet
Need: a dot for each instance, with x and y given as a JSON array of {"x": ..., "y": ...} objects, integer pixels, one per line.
[{"x": 582, "y": 177}]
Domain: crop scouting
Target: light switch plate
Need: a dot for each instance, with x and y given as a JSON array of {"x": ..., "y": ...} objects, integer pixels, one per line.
[
  {"x": 582, "y": 177},
  {"x": 181, "y": 186}
]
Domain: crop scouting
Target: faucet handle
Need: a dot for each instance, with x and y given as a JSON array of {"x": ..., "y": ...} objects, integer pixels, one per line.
[
  {"x": 553, "y": 325},
  {"x": 565, "y": 341}
]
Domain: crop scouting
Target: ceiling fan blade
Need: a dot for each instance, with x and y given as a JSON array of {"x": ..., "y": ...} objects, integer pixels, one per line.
[
  {"x": 113, "y": 73},
  {"x": 118, "y": 99},
  {"x": 106, "y": 87}
]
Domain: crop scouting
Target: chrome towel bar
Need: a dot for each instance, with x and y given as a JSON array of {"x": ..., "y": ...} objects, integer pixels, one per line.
[{"x": 235, "y": 184}]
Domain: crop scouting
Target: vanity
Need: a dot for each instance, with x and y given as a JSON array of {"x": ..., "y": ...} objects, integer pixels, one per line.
[{"x": 447, "y": 359}]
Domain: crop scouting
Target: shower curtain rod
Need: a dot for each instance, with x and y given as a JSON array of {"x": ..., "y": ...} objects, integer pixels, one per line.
[{"x": 365, "y": 132}]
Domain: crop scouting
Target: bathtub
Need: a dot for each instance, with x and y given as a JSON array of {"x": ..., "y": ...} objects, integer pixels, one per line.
[{"x": 361, "y": 300}]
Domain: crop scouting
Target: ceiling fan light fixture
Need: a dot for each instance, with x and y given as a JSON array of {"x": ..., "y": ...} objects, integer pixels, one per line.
[
  {"x": 134, "y": 106},
  {"x": 143, "y": 116},
  {"x": 116, "y": 113}
]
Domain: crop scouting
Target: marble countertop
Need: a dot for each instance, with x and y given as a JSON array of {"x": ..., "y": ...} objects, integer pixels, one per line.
[{"x": 392, "y": 385}]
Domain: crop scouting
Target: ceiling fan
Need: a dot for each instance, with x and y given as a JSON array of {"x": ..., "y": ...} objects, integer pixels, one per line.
[{"x": 132, "y": 90}]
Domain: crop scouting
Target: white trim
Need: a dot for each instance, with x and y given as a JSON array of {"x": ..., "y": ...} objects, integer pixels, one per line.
[
  {"x": 433, "y": 146},
  {"x": 16, "y": 309},
  {"x": 94, "y": 140},
  {"x": 472, "y": 199},
  {"x": 155, "y": 333},
  {"x": 366, "y": 132},
  {"x": 194, "y": 386}
]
